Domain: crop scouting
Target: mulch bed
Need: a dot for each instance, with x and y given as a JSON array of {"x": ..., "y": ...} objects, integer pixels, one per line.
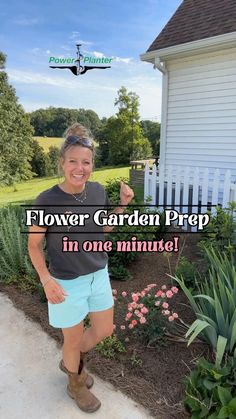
[{"x": 158, "y": 383}]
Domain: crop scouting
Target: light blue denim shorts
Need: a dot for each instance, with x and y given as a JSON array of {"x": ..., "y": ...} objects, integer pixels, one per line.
[{"x": 87, "y": 293}]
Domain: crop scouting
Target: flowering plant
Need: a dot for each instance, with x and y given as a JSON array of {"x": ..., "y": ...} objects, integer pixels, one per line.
[{"x": 149, "y": 311}]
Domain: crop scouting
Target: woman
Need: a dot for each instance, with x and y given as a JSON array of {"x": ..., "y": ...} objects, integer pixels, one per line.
[{"x": 76, "y": 284}]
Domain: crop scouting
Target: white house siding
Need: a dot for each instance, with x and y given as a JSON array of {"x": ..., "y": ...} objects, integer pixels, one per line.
[{"x": 201, "y": 112}]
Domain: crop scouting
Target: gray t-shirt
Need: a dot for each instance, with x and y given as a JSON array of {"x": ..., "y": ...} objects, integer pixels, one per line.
[{"x": 70, "y": 265}]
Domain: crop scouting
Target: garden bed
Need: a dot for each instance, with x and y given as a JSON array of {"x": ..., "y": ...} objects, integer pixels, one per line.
[{"x": 152, "y": 376}]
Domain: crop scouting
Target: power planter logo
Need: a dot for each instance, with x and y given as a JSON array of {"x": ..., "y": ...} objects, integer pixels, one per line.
[{"x": 77, "y": 68}]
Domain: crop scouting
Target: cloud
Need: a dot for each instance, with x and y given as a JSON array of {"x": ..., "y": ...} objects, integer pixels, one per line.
[
  {"x": 28, "y": 77},
  {"x": 98, "y": 54},
  {"x": 75, "y": 37},
  {"x": 39, "y": 52},
  {"x": 123, "y": 60},
  {"x": 23, "y": 21}
]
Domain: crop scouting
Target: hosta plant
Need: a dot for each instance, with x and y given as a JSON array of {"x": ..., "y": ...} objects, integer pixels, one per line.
[{"x": 210, "y": 390}]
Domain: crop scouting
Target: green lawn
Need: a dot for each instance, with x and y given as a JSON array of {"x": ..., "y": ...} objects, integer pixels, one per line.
[{"x": 27, "y": 191}]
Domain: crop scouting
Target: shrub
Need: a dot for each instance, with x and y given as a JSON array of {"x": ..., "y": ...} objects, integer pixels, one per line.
[
  {"x": 119, "y": 260},
  {"x": 188, "y": 271},
  {"x": 14, "y": 261},
  {"x": 211, "y": 390},
  {"x": 149, "y": 312},
  {"x": 220, "y": 233}
]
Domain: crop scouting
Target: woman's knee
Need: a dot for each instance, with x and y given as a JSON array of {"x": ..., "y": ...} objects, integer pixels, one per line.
[
  {"x": 102, "y": 333},
  {"x": 73, "y": 336}
]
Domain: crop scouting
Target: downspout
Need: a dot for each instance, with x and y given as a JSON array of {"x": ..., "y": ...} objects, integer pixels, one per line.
[{"x": 161, "y": 66}]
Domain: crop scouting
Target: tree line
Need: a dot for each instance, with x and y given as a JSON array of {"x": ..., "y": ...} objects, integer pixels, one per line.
[{"x": 121, "y": 138}]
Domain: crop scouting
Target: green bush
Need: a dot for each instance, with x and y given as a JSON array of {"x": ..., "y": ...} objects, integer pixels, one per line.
[
  {"x": 149, "y": 314},
  {"x": 118, "y": 261},
  {"x": 188, "y": 271},
  {"x": 15, "y": 265},
  {"x": 215, "y": 303},
  {"x": 210, "y": 390},
  {"x": 221, "y": 231}
]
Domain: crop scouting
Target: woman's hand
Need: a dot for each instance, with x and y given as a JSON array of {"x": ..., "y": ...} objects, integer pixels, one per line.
[
  {"x": 126, "y": 194},
  {"x": 54, "y": 292}
]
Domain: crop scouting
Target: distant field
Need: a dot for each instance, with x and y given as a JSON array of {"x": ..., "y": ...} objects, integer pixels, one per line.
[
  {"x": 27, "y": 191},
  {"x": 47, "y": 142}
]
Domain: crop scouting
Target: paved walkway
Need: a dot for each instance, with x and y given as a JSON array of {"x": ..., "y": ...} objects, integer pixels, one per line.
[{"x": 32, "y": 386}]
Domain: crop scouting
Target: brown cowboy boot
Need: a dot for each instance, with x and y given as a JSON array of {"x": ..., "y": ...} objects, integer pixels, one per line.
[
  {"x": 89, "y": 381},
  {"x": 78, "y": 391}
]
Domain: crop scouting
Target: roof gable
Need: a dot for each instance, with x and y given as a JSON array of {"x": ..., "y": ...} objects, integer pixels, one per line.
[{"x": 195, "y": 20}]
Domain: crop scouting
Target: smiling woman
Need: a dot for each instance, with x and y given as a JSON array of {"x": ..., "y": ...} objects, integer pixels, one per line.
[{"x": 75, "y": 284}]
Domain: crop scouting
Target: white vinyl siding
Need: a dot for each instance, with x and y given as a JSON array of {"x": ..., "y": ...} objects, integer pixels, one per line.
[{"x": 201, "y": 112}]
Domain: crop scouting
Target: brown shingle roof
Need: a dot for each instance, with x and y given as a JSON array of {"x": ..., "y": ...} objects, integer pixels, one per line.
[{"x": 197, "y": 19}]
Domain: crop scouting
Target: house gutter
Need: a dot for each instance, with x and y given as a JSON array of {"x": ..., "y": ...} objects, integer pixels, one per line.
[{"x": 227, "y": 40}]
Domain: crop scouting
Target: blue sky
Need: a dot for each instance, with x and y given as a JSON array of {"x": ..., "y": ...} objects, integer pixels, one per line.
[{"x": 32, "y": 32}]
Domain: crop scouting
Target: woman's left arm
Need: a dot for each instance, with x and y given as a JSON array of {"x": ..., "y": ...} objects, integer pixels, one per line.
[{"x": 126, "y": 195}]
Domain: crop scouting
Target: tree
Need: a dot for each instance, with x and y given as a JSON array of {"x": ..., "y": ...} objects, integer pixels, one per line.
[
  {"x": 38, "y": 162},
  {"x": 151, "y": 130},
  {"x": 15, "y": 134},
  {"x": 54, "y": 155},
  {"x": 123, "y": 132},
  {"x": 53, "y": 122}
]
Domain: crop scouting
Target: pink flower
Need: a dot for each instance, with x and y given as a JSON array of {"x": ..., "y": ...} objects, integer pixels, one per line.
[
  {"x": 131, "y": 326},
  {"x": 142, "y": 320},
  {"x": 124, "y": 294},
  {"x": 114, "y": 327},
  {"x": 140, "y": 305},
  {"x": 143, "y": 293},
  {"x": 175, "y": 315},
  {"x": 158, "y": 293},
  {"x": 136, "y": 312},
  {"x": 174, "y": 290},
  {"x": 130, "y": 308},
  {"x": 166, "y": 312},
  {"x": 171, "y": 318},
  {"x": 144, "y": 310},
  {"x": 134, "y": 322},
  {"x": 169, "y": 294},
  {"x": 135, "y": 297},
  {"x": 152, "y": 285},
  {"x": 122, "y": 327},
  {"x": 157, "y": 303},
  {"x": 163, "y": 295},
  {"x": 128, "y": 315},
  {"x": 140, "y": 315},
  {"x": 134, "y": 305},
  {"x": 165, "y": 305},
  {"x": 163, "y": 287},
  {"x": 114, "y": 292}
]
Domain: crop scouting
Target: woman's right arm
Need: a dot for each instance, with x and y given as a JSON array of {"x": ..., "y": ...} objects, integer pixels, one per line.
[{"x": 54, "y": 292}]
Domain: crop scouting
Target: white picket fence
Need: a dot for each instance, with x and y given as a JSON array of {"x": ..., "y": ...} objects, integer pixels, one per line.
[{"x": 188, "y": 190}]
